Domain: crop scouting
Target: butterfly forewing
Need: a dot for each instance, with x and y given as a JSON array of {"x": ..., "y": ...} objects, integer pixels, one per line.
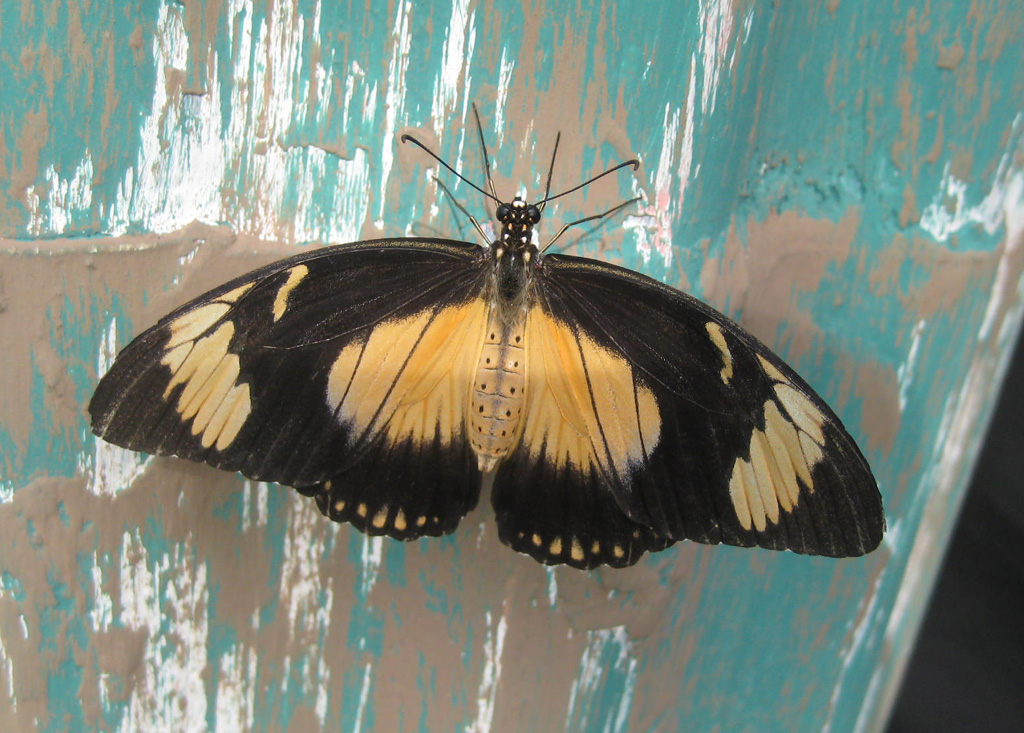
[{"x": 337, "y": 372}]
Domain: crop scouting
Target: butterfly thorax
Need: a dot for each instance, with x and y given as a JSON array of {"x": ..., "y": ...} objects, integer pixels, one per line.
[
  {"x": 499, "y": 389},
  {"x": 514, "y": 256}
]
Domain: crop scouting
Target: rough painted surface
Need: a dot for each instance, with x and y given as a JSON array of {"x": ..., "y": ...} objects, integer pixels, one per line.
[{"x": 845, "y": 180}]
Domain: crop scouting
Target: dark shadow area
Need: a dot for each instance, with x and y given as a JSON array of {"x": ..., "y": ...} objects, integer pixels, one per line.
[{"x": 967, "y": 670}]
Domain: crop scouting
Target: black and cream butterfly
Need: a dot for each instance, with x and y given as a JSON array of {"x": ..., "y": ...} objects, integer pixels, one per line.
[{"x": 386, "y": 378}]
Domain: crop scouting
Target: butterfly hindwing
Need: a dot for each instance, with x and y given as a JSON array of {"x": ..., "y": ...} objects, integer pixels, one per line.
[
  {"x": 559, "y": 514},
  {"x": 405, "y": 490},
  {"x": 311, "y": 370},
  {"x": 694, "y": 428}
]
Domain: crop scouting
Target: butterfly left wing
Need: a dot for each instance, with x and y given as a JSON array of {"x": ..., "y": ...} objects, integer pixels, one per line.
[
  {"x": 651, "y": 417},
  {"x": 338, "y": 372}
]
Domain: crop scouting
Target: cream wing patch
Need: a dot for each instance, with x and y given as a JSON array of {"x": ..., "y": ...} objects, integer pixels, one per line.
[
  {"x": 410, "y": 377},
  {"x": 583, "y": 405},
  {"x": 781, "y": 457},
  {"x": 198, "y": 357},
  {"x": 295, "y": 276},
  {"x": 718, "y": 339}
]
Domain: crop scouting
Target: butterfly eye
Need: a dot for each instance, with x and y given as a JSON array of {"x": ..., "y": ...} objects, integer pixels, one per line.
[
  {"x": 502, "y": 212},
  {"x": 534, "y": 214}
]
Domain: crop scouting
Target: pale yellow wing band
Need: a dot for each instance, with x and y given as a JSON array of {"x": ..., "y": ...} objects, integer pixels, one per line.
[
  {"x": 584, "y": 406},
  {"x": 410, "y": 377}
]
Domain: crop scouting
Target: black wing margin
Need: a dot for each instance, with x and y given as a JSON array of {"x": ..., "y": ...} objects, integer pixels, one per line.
[
  {"x": 712, "y": 437},
  {"x": 311, "y": 370}
]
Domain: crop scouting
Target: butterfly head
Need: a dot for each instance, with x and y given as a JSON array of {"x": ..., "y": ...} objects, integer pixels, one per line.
[
  {"x": 514, "y": 251},
  {"x": 517, "y": 221}
]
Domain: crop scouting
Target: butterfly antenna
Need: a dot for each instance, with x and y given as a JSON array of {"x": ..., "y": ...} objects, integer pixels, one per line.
[
  {"x": 571, "y": 224},
  {"x": 460, "y": 207},
  {"x": 634, "y": 162},
  {"x": 435, "y": 156},
  {"x": 551, "y": 171},
  {"x": 487, "y": 159}
]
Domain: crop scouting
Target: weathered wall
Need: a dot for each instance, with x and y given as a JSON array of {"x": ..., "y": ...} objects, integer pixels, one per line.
[{"x": 844, "y": 178}]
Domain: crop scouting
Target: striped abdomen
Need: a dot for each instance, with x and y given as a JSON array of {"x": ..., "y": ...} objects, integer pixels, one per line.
[{"x": 498, "y": 393}]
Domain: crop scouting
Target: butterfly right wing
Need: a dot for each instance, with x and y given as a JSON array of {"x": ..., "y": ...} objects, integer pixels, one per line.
[
  {"x": 336, "y": 372},
  {"x": 650, "y": 417}
]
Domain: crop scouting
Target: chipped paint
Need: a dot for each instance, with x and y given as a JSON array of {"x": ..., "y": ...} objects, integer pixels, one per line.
[
  {"x": 451, "y": 86},
  {"x": 154, "y": 590},
  {"x": 110, "y": 468},
  {"x": 505, "y": 72},
  {"x": 608, "y": 655},
  {"x": 950, "y": 212},
  {"x": 716, "y": 20},
  {"x": 905, "y": 371},
  {"x": 494, "y": 646},
  {"x": 394, "y": 97}
]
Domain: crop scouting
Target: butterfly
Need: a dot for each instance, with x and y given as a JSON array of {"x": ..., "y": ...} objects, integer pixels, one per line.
[{"x": 386, "y": 379}]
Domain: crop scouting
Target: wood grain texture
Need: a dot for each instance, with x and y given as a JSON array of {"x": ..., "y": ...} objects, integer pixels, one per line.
[{"x": 845, "y": 180}]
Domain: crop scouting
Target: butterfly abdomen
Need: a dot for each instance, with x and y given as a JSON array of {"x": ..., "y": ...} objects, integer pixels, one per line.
[{"x": 499, "y": 390}]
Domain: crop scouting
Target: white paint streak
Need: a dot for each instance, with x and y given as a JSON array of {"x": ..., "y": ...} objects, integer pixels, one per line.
[
  {"x": 355, "y": 78},
  {"x": 300, "y": 581},
  {"x": 348, "y": 213},
  {"x": 552, "y": 585},
  {"x": 372, "y": 556},
  {"x": 1007, "y": 276},
  {"x": 8, "y": 667},
  {"x": 663, "y": 176},
  {"x": 748, "y": 23},
  {"x": 65, "y": 198},
  {"x": 456, "y": 55},
  {"x": 323, "y": 687},
  {"x": 494, "y": 646},
  {"x": 949, "y": 213},
  {"x": 501, "y": 98},
  {"x": 905, "y": 371},
  {"x": 590, "y": 682},
  {"x": 110, "y": 469},
  {"x": 236, "y": 690},
  {"x": 653, "y": 223},
  {"x": 254, "y": 504},
  {"x": 102, "y": 611},
  {"x": 858, "y": 631},
  {"x": 308, "y": 595},
  {"x": 169, "y": 692},
  {"x": 186, "y": 259},
  {"x": 364, "y": 695},
  {"x": 716, "y": 23},
  {"x": 394, "y": 99},
  {"x": 686, "y": 153},
  {"x": 179, "y": 168}
]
